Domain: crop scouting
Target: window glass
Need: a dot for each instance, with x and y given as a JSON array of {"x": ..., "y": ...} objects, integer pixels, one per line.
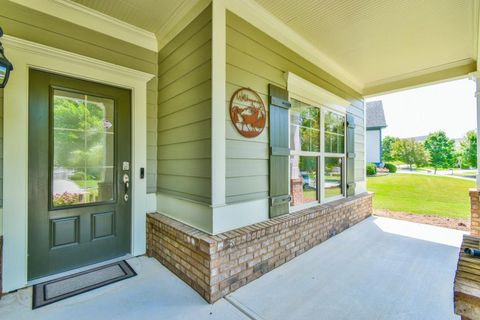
[
  {"x": 83, "y": 149},
  {"x": 333, "y": 177},
  {"x": 3, "y": 73},
  {"x": 303, "y": 179},
  {"x": 304, "y": 127},
  {"x": 334, "y": 133}
]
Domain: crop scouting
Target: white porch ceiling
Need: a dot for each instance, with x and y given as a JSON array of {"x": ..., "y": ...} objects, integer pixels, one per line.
[
  {"x": 379, "y": 41},
  {"x": 150, "y": 15},
  {"x": 381, "y": 44}
]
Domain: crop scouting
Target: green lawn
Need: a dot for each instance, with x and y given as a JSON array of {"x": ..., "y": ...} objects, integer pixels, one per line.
[{"x": 422, "y": 194}]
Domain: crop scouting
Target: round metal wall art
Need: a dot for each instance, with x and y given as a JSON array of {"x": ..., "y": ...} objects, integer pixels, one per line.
[{"x": 247, "y": 112}]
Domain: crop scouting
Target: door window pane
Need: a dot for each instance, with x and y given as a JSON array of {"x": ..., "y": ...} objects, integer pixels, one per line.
[
  {"x": 83, "y": 149},
  {"x": 333, "y": 177},
  {"x": 304, "y": 127},
  {"x": 303, "y": 179}
]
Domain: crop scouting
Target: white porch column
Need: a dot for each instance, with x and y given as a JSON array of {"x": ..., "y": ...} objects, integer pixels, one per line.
[
  {"x": 476, "y": 78},
  {"x": 219, "y": 55},
  {"x": 475, "y": 192}
]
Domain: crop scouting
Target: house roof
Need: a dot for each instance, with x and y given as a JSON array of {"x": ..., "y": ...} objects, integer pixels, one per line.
[{"x": 375, "y": 115}]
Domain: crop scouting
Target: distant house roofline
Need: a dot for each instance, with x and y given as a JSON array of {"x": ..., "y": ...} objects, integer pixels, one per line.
[{"x": 375, "y": 118}]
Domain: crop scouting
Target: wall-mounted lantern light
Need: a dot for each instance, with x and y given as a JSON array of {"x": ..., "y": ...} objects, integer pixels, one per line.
[{"x": 5, "y": 65}]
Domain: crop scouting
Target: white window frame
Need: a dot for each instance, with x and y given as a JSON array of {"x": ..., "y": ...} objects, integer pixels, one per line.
[{"x": 308, "y": 93}]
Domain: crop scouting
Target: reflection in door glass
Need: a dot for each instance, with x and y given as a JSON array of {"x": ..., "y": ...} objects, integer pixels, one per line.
[{"x": 83, "y": 149}]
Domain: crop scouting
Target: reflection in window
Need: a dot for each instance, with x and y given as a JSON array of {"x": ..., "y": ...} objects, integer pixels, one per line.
[
  {"x": 303, "y": 179},
  {"x": 334, "y": 133},
  {"x": 333, "y": 177},
  {"x": 310, "y": 126},
  {"x": 304, "y": 127},
  {"x": 83, "y": 149}
]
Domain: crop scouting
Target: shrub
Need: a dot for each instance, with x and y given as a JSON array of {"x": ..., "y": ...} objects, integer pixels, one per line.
[
  {"x": 66, "y": 199},
  {"x": 391, "y": 167},
  {"x": 371, "y": 169},
  {"x": 78, "y": 176}
]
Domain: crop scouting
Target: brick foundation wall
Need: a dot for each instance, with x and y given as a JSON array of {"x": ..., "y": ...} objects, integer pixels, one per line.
[
  {"x": 217, "y": 265},
  {"x": 475, "y": 212}
]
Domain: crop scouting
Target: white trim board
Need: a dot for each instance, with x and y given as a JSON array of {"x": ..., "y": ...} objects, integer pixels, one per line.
[
  {"x": 306, "y": 89},
  {"x": 219, "y": 74},
  {"x": 94, "y": 20},
  {"x": 25, "y": 55}
]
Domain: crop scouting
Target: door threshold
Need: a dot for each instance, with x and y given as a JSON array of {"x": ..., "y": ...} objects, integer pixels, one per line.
[{"x": 77, "y": 270}]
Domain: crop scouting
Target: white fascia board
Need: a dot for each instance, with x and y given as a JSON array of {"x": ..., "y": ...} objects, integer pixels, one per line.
[
  {"x": 303, "y": 88},
  {"x": 261, "y": 18},
  {"x": 83, "y": 16}
]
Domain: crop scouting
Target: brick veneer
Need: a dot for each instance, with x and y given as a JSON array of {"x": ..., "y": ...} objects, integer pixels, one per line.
[
  {"x": 475, "y": 212},
  {"x": 216, "y": 265}
]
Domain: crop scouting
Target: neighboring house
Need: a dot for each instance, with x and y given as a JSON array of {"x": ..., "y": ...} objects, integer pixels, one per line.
[
  {"x": 120, "y": 137},
  {"x": 375, "y": 119}
]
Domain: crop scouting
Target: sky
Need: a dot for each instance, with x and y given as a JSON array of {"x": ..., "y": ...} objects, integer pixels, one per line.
[{"x": 448, "y": 106}]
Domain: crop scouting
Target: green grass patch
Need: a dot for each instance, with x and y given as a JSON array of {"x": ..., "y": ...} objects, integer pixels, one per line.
[{"x": 422, "y": 194}]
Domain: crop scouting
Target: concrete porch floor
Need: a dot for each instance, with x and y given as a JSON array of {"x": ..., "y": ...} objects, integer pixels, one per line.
[{"x": 379, "y": 269}]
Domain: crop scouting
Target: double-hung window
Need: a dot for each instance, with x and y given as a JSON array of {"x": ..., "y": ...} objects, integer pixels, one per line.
[{"x": 317, "y": 158}]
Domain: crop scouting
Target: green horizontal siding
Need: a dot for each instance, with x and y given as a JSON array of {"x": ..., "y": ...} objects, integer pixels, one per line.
[
  {"x": 254, "y": 60},
  {"x": 193, "y": 150},
  {"x": 188, "y": 98},
  {"x": 152, "y": 107},
  {"x": 184, "y": 112}
]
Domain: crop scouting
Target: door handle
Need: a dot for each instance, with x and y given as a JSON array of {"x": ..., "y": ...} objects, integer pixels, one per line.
[{"x": 126, "y": 184}]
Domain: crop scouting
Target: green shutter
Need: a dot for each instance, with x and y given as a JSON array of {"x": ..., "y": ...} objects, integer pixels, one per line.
[
  {"x": 350, "y": 155},
  {"x": 279, "y": 151}
]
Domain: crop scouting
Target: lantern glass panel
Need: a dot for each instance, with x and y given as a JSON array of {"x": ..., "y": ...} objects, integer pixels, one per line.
[{"x": 3, "y": 73}]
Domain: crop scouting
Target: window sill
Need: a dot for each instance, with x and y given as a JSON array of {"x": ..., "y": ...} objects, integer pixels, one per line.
[{"x": 314, "y": 204}]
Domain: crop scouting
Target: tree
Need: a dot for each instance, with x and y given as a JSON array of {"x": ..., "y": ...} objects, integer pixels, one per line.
[
  {"x": 79, "y": 135},
  {"x": 441, "y": 150},
  {"x": 410, "y": 152},
  {"x": 387, "y": 148},
  {"x": 468, "y": 150}
]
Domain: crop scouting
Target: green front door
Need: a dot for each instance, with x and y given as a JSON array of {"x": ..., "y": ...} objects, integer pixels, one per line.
[{"x": 79, "y": 210}]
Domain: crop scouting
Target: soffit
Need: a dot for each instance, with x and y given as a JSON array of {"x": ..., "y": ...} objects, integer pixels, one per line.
[
  {"x": 381, "y": 41},
  {"x": 150, "y": 15}
]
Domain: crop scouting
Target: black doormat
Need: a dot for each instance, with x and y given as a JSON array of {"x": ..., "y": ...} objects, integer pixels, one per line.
[{"x": 69, "y": 286}]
